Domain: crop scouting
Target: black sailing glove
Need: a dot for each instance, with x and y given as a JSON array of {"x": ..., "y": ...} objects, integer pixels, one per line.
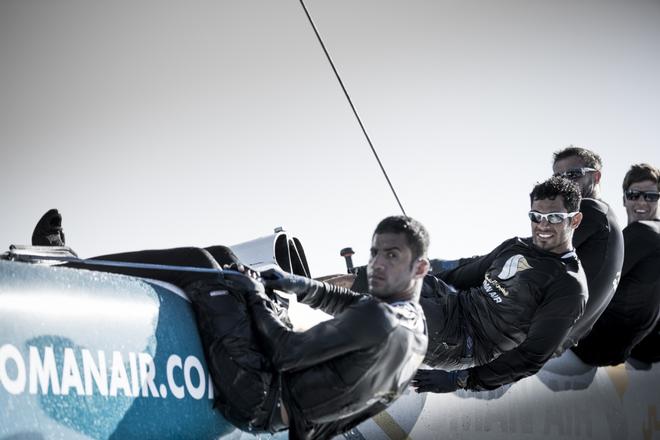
[
  {"x": 245, "y": 283},
  {"x": 438, "y": 381},
  {"x": 276, "y": 278}
]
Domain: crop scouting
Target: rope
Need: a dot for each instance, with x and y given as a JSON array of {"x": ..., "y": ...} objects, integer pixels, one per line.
[{"x": 341, "y": 83}]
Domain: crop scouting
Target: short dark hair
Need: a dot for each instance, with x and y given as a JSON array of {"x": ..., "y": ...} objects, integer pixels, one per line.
[
  {"x": 589, "y": 158},
  {"x": 416, "y": 234},
  {"x": 640, "y": 172},
  {"x": 558, "y": 186}
]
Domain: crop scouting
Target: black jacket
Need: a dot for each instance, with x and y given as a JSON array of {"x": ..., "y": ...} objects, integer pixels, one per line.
[
  {"x": 634, "y": 309},
  {"x": 598, "y": 242},
  {"x": 518, "y": 303},
  {"x": 347, "y": 369}
]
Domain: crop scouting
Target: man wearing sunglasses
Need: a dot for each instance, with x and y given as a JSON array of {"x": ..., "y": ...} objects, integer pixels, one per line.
[
  {"x": 514, "y": 306},
  {"x": 598, "y": 241},
  {"x": 633, "y": 312}
]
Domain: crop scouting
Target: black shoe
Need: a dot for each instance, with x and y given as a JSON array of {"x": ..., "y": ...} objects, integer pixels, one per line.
[
  {"x": 48, "y": 231},
  {"x": 638, "y": 364}
]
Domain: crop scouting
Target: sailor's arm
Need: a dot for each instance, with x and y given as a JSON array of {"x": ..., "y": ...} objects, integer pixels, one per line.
[
  {"x": 327, "y": 297},
  {"x": 524, "y": 360},
  {"x": 470, "y": 271},
  {"x": 640, "y": 247},
  {"x": 290, "y": 350},
  {"x": 548, "y": 329}
]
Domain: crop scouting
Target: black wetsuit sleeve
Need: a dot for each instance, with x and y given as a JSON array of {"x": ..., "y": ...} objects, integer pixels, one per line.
[
  {"x": 470, "y": 271},
  {"x": 637, "y": 250},
  {"x": 360, "y": 326},
  {"x": 549, "y": 327},
  {"x": 327, "y": 297},
  {"x": 642, "y": 263}
]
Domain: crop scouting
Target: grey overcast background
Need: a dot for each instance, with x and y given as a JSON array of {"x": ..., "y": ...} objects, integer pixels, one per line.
[{"x": 154, "y": 124}]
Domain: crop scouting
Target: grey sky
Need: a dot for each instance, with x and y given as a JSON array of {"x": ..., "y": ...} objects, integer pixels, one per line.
[{"x": 159, "y": 124}]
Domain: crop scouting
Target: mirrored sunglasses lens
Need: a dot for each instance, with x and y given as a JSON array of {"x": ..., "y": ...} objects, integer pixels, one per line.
[
  {"x": 555, "y": 218},
  {"x": 651, "y": 196},
  {"x": 535, "y": 217},
  {"x": 574, "y": 174},
  {"x": 633, "y": 195}
]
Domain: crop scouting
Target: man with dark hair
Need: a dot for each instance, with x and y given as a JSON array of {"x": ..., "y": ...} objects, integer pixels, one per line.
[
  {"x": 514, "y": 306},
  {"x": 320, "y": 382},
  {"x": 580, "y": 165},
  {"x": 633, "y": 312},
  {"x": 598, "y": 241},
  {"x": 345, "y": 370}
]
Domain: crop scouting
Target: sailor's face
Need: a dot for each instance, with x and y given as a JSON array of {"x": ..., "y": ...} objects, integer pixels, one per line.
[
  {"x": 571, "y": 164},
  {"x": 390, "y": 271},
  {"x": 555, "y": 237},
  {"x": 641, "y": 209}
]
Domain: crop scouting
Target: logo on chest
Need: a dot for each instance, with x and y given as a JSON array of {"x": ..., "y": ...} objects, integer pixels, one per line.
[{"x": 511, "y": 267}]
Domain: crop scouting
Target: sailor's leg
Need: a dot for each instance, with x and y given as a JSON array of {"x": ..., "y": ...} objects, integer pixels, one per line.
[
  {"x": 242, "y": 376},
  {"x": 184, "y": 256},
  {"x": 223, "y": 255},
  {"x": 450, "y": 346},
  {"x": 647, "y": 352},
  {"x": 360, "y": 284}
]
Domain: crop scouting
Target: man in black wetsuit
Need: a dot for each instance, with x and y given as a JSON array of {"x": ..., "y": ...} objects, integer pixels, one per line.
[
  {"x": 633, "y": 312},
  {"x": 513, "y": 307},
  {"x": 598, "y": 241},
  {"x": 345, "y": 370},
  {"x": 320, "y": 382}
]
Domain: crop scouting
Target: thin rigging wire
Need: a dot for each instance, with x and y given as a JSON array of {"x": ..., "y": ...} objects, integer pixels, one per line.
[{"x": 341, "y": 83}]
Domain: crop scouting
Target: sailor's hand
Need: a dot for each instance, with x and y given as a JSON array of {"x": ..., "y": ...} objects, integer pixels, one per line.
[
  {"x": 276, "y": 278},
  {"x": 438, "y": 381},
  {"x": 272, "y": 276},
  {"x": 242, "y": 268},
  {"x": 242, "y": 279}
]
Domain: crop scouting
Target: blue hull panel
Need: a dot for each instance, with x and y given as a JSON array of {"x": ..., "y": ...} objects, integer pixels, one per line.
[{"x": 93, "y": 355}]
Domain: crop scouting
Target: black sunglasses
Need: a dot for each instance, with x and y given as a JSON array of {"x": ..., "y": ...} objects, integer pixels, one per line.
[
  {"x": 649, "y": 196},
  {"x": 575, "y": 173},
  {"x": 552, "y": 217}
]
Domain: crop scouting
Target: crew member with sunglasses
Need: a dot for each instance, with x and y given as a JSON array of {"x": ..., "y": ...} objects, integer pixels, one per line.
[
  {"x": 598, "y": 241},
  {"x": 514, "y": 306},
  {"x": 633, "y": 312}
]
